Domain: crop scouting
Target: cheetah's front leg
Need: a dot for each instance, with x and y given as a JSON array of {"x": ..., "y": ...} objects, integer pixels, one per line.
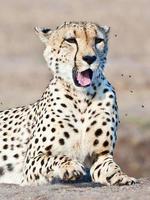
[
  {"x": 43, "y": 168},
  {"x": 67, "y": 169},
  {"x": 107, "y": 172}
]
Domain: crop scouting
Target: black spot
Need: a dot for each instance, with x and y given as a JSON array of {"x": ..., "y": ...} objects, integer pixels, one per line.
[
  {"x": 61, "y": 141},
  {"x": 34, "y": 168},
  {"x": 62, "y": 126},
  {"x": 36, "y": 177},
  {"x": 70, "y": 125},
  {"x": 33, "y": 162},
  {"x": 36, "y": 140},
  {"x": 93, "y": 112},
  {"x": 75, "y": 130},
  {"x": 44, "y": 139},
  {"x": 48, "y": 147},
  {"x": 108, "y": 104},
  {"x": 68, "y": 96},
  {"x": 63, "y": 105},
  {"x": 112, "y": 128},
  {"x": 75, "y": 106},
  {"x": 53, "y": 130},
  {"x": 94, "y": 122},
  {"x": 14, "y": 111},
  {"x": 52, "y": 120},
  {"x": 44, "y": 128},
  {"x": 10, "y": 167},
  {"x": 47, "y": 116},
  {"x": 105, "y": 144},
  {"x": 45, "y": 30},
  {"x": 104, "y": 152},
  {"x": 52, "y": 139},
  {"x": 48, "y": 153},
  {"x": 105, "y": 90},
  {"x": 5, "y": 119},
  {"x": 89, "y": 103},
  {"x": 98, "y": 132},
  {"x": 89, "y": 111},
  {"x": 98, "y": 166},
  {"x": 95, "y": 142},
  {"x": 1, "y": 171},
  {"x": 88, "y": 128},
  {"x": 99, "y": 171},
  {"x": 16, "y": 156},
  {"x": 5, "y": 146},
  {"x": 107, "y": 133},
  {"x": 100, "y": 104},
  {"x": 113, "y": 120},
  {"x": 42, "y": 162},
  {"x": 108, "y": 119},
  {"x": 6, "y": 112},
  {"x": 15, "y": 130},
  {"x": 27, "y": 160},
  {"x": 107, "y": 113},
  {"x": 26, "y": 172},
  {"x": 104, "y": 123},
  {"x": 82, "y": 120},
  {"x": 111, "y": 96},
  {"x": 4, "y": 157},
  {"x": 60, "y": 111},
  {"x": 66, "y": 134},
  {"x": 4, "y": 134},
  {"x": 5, "y": 139}
]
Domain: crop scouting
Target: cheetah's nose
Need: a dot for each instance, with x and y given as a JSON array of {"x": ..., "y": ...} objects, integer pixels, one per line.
[{"x": 89, "y": 59}]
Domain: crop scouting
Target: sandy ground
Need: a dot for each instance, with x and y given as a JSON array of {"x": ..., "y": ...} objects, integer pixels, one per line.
[{"x": 82, "y": 191}]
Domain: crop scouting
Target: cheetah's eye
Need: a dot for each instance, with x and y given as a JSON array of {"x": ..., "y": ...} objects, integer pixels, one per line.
[
  {"x": 98, "y": 40},
  {"x": 71, "y": 40}
]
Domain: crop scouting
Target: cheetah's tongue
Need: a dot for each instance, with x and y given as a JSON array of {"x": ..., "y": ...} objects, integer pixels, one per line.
[{"x": 84, "y": 78}]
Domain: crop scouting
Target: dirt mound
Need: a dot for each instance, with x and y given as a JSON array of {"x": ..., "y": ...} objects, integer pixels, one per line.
[{"x": 78, "y": 191}]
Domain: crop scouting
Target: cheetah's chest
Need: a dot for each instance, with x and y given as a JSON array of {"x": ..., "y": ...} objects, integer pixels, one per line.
[{"x": 72, "y": 116}]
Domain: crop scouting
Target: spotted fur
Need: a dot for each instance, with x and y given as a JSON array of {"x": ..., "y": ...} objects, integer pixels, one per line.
[{"x": 69, "y": 127}]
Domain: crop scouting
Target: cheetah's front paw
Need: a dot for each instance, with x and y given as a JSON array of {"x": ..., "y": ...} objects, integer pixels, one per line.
[
  {"x": 121, "y": 179},
  {"x": 109, "y": 173},
  {"x": 71, "y": 170}
]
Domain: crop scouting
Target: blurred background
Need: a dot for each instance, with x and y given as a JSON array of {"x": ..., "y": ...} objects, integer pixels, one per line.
[{"x": 24, "y": 74}]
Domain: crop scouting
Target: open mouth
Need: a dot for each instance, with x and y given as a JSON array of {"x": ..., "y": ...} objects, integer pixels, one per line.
[{"x": 82, "y": 79}]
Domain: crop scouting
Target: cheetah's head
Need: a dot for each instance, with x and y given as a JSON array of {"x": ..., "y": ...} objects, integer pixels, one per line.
[{"x": 75, "y": 51}]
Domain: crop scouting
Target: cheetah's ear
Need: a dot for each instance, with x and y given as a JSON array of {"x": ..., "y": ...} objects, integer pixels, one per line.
[
  {"x": 43, "y": 33},
  {"x": 106, "y": 29}
]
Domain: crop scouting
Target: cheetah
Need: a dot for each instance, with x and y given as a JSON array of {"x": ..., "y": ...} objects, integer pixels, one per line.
[{"x": 73, "y": 125}]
